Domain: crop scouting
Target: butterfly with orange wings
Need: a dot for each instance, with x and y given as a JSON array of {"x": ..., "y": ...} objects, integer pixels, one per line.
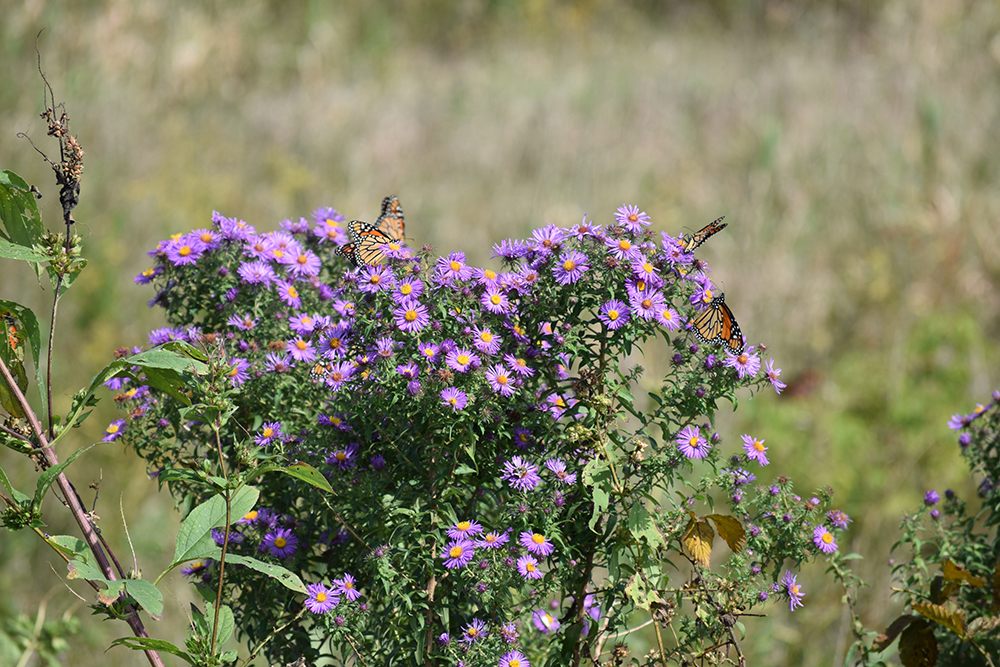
[
  {"x": 718, "y": 325},
  {"x": 367, "y": 240},
  {"x": 705, "y": 233}
]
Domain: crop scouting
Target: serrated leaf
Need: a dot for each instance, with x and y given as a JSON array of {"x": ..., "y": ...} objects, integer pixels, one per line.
[
  {"x": 731, "y": 530},
  {"x": 884, "y": 640},
  {"x": 147, "y": 596},
  {"x": 697, "y": 540},
  {"x": 111, "y": 592},
  {"x": 226, "y": 623},
  {"x": 641, "y": 525},
  {"x": 918, "y": 646},
  {"x": 953, "y": 572},
  {"x": 309, "y": 475},
  {"x": 146, "y": 643},
  {"x": 195, "y": 534},
  {"x": 953, "y": 620}
]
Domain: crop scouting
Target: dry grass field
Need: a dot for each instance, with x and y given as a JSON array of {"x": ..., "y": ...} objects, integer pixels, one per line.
[{"x": 853, "y": 146}]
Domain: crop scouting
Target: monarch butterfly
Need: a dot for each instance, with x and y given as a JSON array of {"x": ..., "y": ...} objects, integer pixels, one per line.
[
  {"x": 320, "y": 370},
  {"x": 717, "y": 325},
  {"x": 367, "y": 240},
  {"x": 705, "y": 233}
]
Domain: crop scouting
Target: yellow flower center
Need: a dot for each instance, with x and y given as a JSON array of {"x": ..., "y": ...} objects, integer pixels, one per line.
[
  {"x": 268, "y": 432},
  {"x": 528, "y": 567},
  {"x": 251, "y": 515},
  {"x": 486, "y": 337},
  {"x": 490, "y": 274},
  {"x": 293, "y": 293},
  {"x": 538, "y": 538},
  {"x": 341, "y": 457},
  {"x": 455, "y": 265},
  {"x": 301, "y": 344},
  {"x": 113, "y": 428},
  {"x": 184, "y": 251},
  {"x": 612, "y": 315},
  {"x": 827, "y": 537},
  {"x": 464, "y": 525},
  {"x": 280, "y": 542},
  {"x": 411, "y": 315},
  {"x": 406, "y": 289},
  {"x": 321, "y": 597},
  {"x": 624, "y": 245},
  {"x": 463, "y": 359},
  {"x": 302, "y": 259},
  {"x": 569, "y": 265},
  {"x": 496, "y": 299}
]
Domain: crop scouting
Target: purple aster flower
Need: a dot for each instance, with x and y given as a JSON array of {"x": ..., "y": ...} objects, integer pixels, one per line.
[
  {"x": 336, "y": 344},
  {"x": 544, "y": 621},
  {"x": 510, "y": 635},
  {"x": 629, "y": 217},
  {"x": 521, "y": 474},
  {"x": 244, "y": 323},
  {"x": 459, "y": 553},
  {"x": 931, "y": 497},
  {"x": 184, "y": 250},
  {"x": 147, "y": 276},
  {"x": 570, "y": 268},
  {"x": 793, "y": 590},
  {"x": 772, "y": 375},
  {"x": 510, "y": 249},
  {"x": 691, "y": 444},
  {"x": 347, "y": 586},
  {"x": 304, "y": 264},
  {"x": 232, "y": 229},
  {"x": 464, "y": 530},
  {"x": 280, "y": 542},
  {"x": 275, "y": 362},
  {"x": 410, "y": 287},
  {"x": 823, "y": 539},
  {"x": 527, "y": 566},
  {"x": 411, "y": 316},
  {"x": 289, "y": 295},
  {"x": 301, "y": 349},
  {"x": 585, "y": 229},
  {"x": 500, "y": 380},
  {"x": 558, "y": 467},
  {"x": 518, "y": 365},
  {"x": 343, "y": 457},
  {"x": 839, "y": 519},
  {"x": 321, "y": 599},
  {"x": 300, "y": 226},
  {"x": 238, "y": 372},
  {"x": 339, "y": 374},
  {"x": 461, "y": 360},
  {"x": 256, "y": 247},
  {"x": 377, "y": 278},
  {"x": 755, "y": 449},
  {"x": 559, "y": 404},
  {"x": 536, "y": 543},
  {"x": 492, "y": 540},
  {"x": 114, "y": 430},
  {"x": 485, "y": 340},
  {"x": 546, "y": 240},
  {"x": 408, "y": 371},
  {"x": 614, "y": 314},
  {"x": 268, "y": 433},
  {"x": 647, "y": 305},
  {"x": 495, "y": 301},
  {"x": 196, "y": 567},
  {"x": 165, "y": 335},
  {"x": 474, "y": 632},
  {"x": 454, "y": 398},
  {"x": 746, "y": 364},
  {"x": 453, "y": 267},
  {"x": 257, "y": 273},
  {"x": 668, "y": 317},
  {"x": 621, "y": 249}
]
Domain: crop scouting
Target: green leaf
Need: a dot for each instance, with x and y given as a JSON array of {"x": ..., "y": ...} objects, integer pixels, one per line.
[
  {"x": 147, "y": 595},
  {"x": 21, "y": 498},
  {"x": 79, "y": 569},
  {"x": 286, "y": 578},
  {"x": 640, "y": 524},
  {"x": 20, "y": 252},
  {"x": 46, "y": 479},
  {"x": 309, "y": 475},
  {"x": 194, "y": 538},
  {"x": 72, "y": 547},
  {"x": 19, "y": 217},
  {"x": 597, "y": 474},
  {"x": 144, "y": 643},
  {"x": 226, "y": 623}
]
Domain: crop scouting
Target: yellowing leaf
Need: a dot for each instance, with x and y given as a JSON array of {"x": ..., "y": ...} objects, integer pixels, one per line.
[
  {"x": 730, "y": 530},
  {"x": 953, "y": 572},
  {"x": 698, "y": 540},
  {"x": 953, "y": 620}
]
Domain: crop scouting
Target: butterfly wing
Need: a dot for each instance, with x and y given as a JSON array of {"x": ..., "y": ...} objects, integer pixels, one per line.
[
  {"x": 709, "y": 323},
  {"x": 320, "y": 370},
  {"x": 729, "y": 330},
  {"x": 705, "y": 233},
  {"x": 368, "y": 241},
  {"x": 349, "y": 251},
  {"x": 391, "y": 222}
]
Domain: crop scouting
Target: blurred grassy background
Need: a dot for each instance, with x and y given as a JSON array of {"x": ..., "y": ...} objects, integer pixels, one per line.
[{"x": 853, "y": 145}]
